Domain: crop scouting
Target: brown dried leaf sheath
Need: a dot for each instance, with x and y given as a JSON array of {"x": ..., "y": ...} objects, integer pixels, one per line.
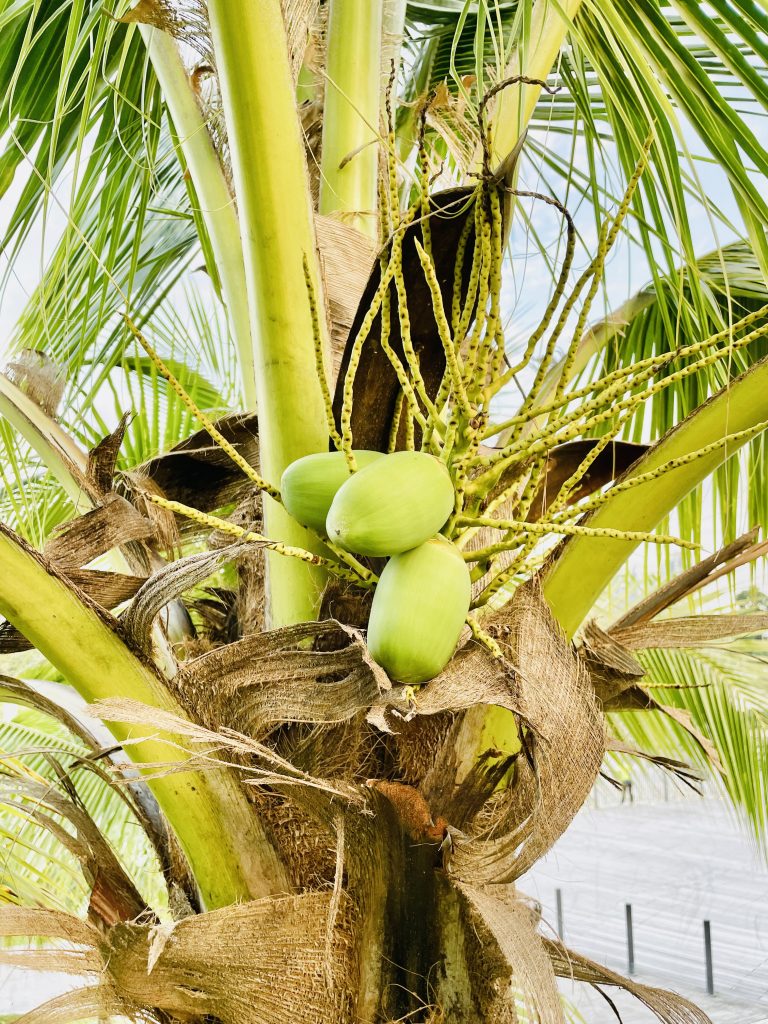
[
  {"x": 165, "y": 585},
  {"x": 275, "y": 677},
  {"x": 550, "y": 785},
  {"x": 689, "y": 630},
  {"x": 197, "y": 472},
  {"x": 669, "y": 1007},
  {"x": 376, "y": 385},
  {"x": 102, "y": 459},
  {"x": 114, "y": 523},
  {"x": 264, "y": 962},
  {"x": 511, "y": 925},
  {"x": 107, "y": 589}
]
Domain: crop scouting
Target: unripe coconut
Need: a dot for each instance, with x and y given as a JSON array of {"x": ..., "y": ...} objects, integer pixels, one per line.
[
  {"x": 393, "y": 505},
  {"x": 419, "y": 607},
  {"x": 309, "y": 485}
]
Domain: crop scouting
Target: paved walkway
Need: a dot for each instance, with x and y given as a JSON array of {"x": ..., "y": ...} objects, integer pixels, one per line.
[{"x": 677, "y": 864}]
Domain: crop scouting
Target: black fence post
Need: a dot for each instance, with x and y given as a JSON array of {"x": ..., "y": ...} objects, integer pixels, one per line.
[
  {"x": 708, "y": 958},
  {"x": 630, "y": 939},
  {"x": 559, "y": 909}
]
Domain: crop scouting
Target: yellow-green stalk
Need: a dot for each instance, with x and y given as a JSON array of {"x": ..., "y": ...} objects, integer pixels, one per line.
[
  {"x": 229, "y": 855},
  {"x": 350, "y": 154},
  {"x": 217, "y": 207},
  {"x": 274, "y": 208}
]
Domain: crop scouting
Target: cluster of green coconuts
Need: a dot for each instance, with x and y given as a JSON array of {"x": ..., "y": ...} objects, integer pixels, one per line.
[{"x": 392, "y": 507}]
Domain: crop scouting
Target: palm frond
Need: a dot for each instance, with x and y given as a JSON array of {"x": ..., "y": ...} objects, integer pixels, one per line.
[
  {"x": 35, "y": 864},
  {"x": 102, "y": 182},
  {"x": 726, "y": 693}
]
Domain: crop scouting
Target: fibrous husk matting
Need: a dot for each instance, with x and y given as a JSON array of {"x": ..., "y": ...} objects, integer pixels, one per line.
[
  {"x": 400, "y": 835},
  {"x": 264, "y": 962}
]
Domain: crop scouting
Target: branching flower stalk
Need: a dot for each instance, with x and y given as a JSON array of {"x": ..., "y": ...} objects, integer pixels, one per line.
[
  {"x": 604, "y": 407},
  {"x": 631, "y": 373},
  {"x": 495, "y": 489},
  {"x": 484, "y": 638},
  {"x": 545, "y": 527},
  {"x": 412, "y": 410},
  {"x": 458, "y": 276},
  {"x": 233, "y": 530},
  {"x": 483, "y": 230},
  {"x": 569, "y": 486},
  {"x": 426, "y": 231},
  {"x": 199, "y": 415},
  {"x": 322, "y": 372},
  {"x": 557, "y": 294},
  {"x": 396, "y": 260},
  {"x": 728, "y": 440},
  {"x": 389, "y": 189},
  {"x": 608, "y": 235},
  {"x": 452, "y": 357},
  {"x": 599, "y": 265}
]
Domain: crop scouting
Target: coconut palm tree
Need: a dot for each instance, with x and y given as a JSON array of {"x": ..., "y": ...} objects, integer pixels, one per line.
[{"x": 274, "y": 827}]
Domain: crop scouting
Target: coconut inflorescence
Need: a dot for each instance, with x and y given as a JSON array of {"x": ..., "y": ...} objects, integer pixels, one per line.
[
  {"x": 458, "y": 509},
  {"x": 393, "y": 507}
]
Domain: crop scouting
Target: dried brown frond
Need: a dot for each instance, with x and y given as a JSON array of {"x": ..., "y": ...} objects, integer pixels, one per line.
[{"x": 39, "y": 377}]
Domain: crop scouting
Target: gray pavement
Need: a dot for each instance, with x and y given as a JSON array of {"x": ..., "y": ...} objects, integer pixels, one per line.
[{"x": 677, "y": 864}]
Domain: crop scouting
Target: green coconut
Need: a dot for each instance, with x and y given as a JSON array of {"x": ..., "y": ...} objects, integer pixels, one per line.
[
  {"x": 419, "y": 609},
  {"x": 392, "y": 505},
  {"x": 309, "y": 485}
]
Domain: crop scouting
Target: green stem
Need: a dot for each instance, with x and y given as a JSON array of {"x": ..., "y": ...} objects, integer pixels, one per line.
[
  {"x": 594, "y": 340},
  {"x": 229, "y": 855},
  {"x": 217, "y": 207},
  {"x": 349, "y": 167},
  {"x": 276, "y": 226},
  {"x": 593, "y": 563}
]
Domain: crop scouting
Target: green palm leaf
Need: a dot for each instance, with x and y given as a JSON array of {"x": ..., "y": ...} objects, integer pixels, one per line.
[
  {"x": 35, "y": 862},
  {"x": 725, "y": 690},
  {"x": 105, "y": 161}
]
